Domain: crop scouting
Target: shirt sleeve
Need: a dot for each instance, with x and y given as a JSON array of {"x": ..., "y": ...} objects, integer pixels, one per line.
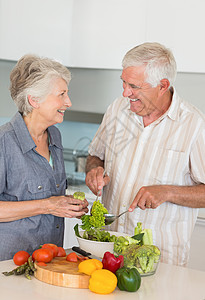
[
  {"x": 2, "y": 170},
  {"x": 97, "y": 146},
  {"x": 197, "y": 161}
]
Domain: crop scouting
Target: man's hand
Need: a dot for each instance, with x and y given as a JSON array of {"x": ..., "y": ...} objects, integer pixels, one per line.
[
  {"x": 154, "y": 195},
  {"x": 150, "y": 196},
  {"x": 95, "y": 180}
]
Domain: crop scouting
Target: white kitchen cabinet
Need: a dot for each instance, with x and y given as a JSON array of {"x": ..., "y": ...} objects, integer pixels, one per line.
[
  {"x": 69, "y": 236},
  {"x": 37, "y": 27},
  {"x": 109, "y": 28},
  {"x": 91, "y": 33},
  {"x": 197, "y": 257},
  {"x": 105, "y": 30},
  {"x": 180, "y": 26},
  {"x": 98, "y": 33}
]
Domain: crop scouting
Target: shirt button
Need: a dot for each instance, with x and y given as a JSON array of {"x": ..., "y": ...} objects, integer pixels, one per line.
[
  {"x": 40, "y": 187},
  {"x": 57, "y": 226},
  {"x": 57, "y": 185}
]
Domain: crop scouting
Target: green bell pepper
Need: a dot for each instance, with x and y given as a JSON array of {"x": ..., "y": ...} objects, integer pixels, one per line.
[{"x": 128, "y": 279}]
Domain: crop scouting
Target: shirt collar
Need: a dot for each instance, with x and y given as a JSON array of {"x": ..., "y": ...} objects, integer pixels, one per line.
[
  {"x": 55, "y": 139},
  {"x": 25, "y": 140},
  {"x": 174, "y": 109}
]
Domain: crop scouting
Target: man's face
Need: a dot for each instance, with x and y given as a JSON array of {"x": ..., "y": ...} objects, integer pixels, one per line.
[{"x": 144, "y": 99}]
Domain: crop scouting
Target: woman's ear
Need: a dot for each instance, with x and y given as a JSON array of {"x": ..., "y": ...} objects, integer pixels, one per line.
[{"x": 33, "y": 101}]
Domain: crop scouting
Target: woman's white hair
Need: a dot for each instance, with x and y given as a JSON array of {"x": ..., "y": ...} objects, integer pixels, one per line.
[
  {"x": 33, "y": 75},
  {"x": 159, "y": 62}
]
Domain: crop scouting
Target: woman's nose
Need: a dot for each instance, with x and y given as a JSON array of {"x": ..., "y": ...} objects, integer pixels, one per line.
[{"x": 68, "y": 102}]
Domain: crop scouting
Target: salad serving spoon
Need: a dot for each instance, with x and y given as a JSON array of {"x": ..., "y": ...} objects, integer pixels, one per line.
[{"x": 110, "y": 218}]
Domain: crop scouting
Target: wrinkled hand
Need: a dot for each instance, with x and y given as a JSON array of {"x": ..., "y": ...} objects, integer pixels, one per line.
[
  {"x": 150, "y": 197},
  {"x": 95, "y": 180},
  {"x": 67, "y": 206}
]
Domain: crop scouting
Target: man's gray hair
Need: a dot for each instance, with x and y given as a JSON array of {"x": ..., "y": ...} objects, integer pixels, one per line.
[
  {"x": 159, "y": 62},
  {"x": 33, "y": 75}
]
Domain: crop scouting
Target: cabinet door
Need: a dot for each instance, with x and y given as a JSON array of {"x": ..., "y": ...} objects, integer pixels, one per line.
[
  {"x": 104, "y": 30},
  {"x": 98, "y": 33},
  {"x": 70, "y": 239},
  {"x": 179, "y": 25},
  {"x": 37, "y": 27}
]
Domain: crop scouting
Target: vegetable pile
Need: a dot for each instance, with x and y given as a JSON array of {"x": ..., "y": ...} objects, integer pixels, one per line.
[
  {"x": 138, "y": 251},
  {"x": 26, "y": 268},
  {"x": 41, "y": 257},
  {"x": 109, "y": 273}
]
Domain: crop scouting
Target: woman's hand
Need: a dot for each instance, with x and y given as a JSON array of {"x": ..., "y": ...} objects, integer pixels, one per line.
[{"x": 66, "y": 207}]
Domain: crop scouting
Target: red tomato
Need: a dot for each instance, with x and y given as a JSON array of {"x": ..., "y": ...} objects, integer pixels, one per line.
[
  {"x": 20, "y": 258},
  {"x": 52, "y": 247},
  {"x": 61, "y": 252},
  {"x": 33, "y": 255},
  {"x": 72, "y": 257},
  {"x": 42, "y": 255}
]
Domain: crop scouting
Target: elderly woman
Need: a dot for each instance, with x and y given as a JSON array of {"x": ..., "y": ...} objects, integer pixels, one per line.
[{"x": 32, "y": 174}]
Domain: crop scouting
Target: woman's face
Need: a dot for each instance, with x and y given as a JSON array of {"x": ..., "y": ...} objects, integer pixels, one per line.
[{"x": 52, "y": 109}]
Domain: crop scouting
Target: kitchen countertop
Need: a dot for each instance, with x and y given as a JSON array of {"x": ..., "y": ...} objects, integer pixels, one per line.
[{"x": 169, "y": 282}]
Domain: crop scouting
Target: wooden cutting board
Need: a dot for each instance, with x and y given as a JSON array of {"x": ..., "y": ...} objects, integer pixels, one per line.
[{"x": 61, "y": 272}]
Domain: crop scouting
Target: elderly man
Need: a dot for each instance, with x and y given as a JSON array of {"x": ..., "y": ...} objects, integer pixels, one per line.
[{"x": 151, "y": 144}]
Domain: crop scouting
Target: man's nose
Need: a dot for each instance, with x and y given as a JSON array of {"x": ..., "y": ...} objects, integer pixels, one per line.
[{"x": 127, "y": 91}]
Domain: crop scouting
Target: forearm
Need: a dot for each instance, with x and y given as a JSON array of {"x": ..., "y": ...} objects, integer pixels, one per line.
[
  {"x": 93, "y": 162},
  {"x": 154, "y": 195},
  {"x": 60, "y": 206},
  {"x": 15, "y": 210},
  {"x": 191, "y": 196}
]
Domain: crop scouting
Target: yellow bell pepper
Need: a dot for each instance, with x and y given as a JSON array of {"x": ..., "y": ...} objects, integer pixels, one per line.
[
  {"x": 102, "y": 282},
  {"x": 89, "y": 266}
]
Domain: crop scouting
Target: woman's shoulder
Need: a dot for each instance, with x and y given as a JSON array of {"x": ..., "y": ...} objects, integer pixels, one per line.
[{"x": 5, "y": 129}]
